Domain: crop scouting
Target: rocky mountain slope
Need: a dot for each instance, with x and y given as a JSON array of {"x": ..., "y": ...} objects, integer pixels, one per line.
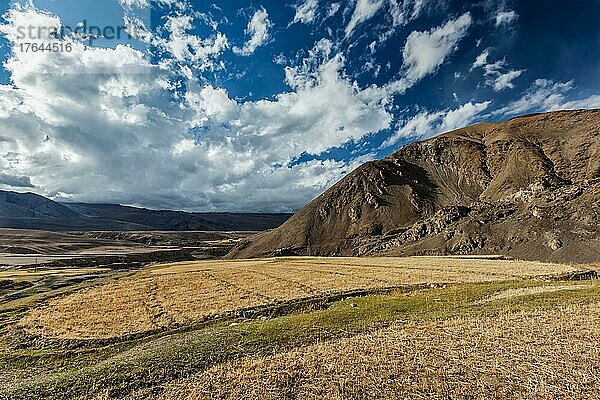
[{"x": 527, "y": 188}]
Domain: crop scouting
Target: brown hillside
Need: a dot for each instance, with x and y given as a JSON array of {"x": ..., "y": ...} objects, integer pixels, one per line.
[{"x": 528, "y": 188}]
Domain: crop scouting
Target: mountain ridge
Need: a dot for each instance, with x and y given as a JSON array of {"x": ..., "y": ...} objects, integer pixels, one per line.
[
  {"x": 32, "y": 211},
  {"x": 486, "y": 188}
]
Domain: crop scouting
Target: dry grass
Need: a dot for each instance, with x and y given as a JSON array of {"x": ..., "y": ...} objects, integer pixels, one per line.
[
  {"x": 35, "y": 273},
  {"x": 528, "y": 291},
  {"x": 182, "y": 293},
  {"x": 549, "y": 354}
]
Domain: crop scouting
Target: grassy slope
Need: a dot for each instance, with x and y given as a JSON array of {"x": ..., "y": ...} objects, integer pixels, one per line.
[
  {"x": 121, "y": 368},
  {"x": 542, "y": 354}
]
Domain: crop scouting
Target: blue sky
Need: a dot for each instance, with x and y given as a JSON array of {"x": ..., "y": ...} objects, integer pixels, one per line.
[{"x": 262, "y": 105}]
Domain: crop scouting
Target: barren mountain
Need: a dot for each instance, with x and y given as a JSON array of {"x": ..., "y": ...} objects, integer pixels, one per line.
[
  {"x": 32, "y": 211},
  {"x": 29, "y": 205},
  {"x": 528, "y": 188}
]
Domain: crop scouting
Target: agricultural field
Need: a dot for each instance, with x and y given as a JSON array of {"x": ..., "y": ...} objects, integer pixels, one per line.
[
  {"x": 306, "y": 327},
  {"x": 539, "y": 355},
  {"x": 178, "y": 294}
]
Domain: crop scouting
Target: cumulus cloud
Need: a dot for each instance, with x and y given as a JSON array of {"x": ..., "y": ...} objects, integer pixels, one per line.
[
  {"x": 324, "y": 111},
  {"x": 399, "y": 12},
  {"x": 107, "y": 125},
  {"x": 547, "y": 95},
  {"x": 426, "y": 124},
  {"x": 258, "y": 29},
  {"x": 425, "y": 51},
  {"x": 307, "y": 73},
  {"x": 591, "y": 102},
  {"x": 505, "y": 18},
  {"x": 306, "y": 12},
  {"x": 363, "y": 11},
  {"x": 118, "y": 125}
]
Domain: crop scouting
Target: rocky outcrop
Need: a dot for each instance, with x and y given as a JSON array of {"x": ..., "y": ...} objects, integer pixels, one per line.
[{"x": 527, "y": 188}]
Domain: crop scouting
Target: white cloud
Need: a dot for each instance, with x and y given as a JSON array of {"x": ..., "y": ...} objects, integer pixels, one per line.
[
  {"x": 546, "y": 95},
  {"x": 324, "y": 111},
  {"x": 506, "y": 18},
  {"x": 306, "y": 12},
  {"x": 363, "y": 11},
  {"x": 481, "y": 59},
  {"x": 182, "y": 46},
  {"x": 307, "y": 74},
  {"x": 146, "y": 3},
  {"x": 494, "y": 76},
  {"x": 398, "y": 13},
  {"x": 462, "y": 116},
  {"x": 333, "y": 9},
  {"x": 504, "y": 81},
  {"x": 106, "y": 125},
  {"x": 419, "y": 126},
  {"x": 427, "y": 124},
  {"x": 258, "y": 28},
  {"x": 403, "y": 11},
  {"x": 419, "y": 6},
  {"x": 424, "y": 52},
  {"x": 135, "y": 3},
  {"x": 591, "y": 102}
]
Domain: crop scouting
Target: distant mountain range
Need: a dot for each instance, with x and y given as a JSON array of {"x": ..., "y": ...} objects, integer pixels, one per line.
[
  {"x": 32, "y": 211},
  {"x": 527, "y": 188}
]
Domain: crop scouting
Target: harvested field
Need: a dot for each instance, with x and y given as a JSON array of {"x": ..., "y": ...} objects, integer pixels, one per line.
[
  {"x": 534, "y": 355},
  {"x": 23, "y": 288},
  {"x": 520, "y": 292},
  {"x": 184, "y": 293},
  {"x": 175, "y": 361}
]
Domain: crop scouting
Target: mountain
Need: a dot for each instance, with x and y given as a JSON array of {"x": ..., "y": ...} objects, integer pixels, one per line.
[
  {"x": 29, "y": 205},
  {"x": 527, "y": 188},
  {"x": 32, "y": 211},
  {"x": 165, "y": 220}
]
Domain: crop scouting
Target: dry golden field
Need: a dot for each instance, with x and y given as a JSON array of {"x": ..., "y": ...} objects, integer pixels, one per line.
[
  {"x": 334, "y": 328},
  {"x": 183, "y": 293},
  {"x": 524, "y": 355},
  {"x": 34, "y": 273}
]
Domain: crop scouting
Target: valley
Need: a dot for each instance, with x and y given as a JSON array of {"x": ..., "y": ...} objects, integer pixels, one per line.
[
  {"x": 227, "y": 329},
  {"x": 21, "y": 248},
  {"x": 461, "y": 267},
  {"x": 299, "y": 200}
]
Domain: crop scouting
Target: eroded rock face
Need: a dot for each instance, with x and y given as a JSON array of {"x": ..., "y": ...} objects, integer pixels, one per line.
[{"x": 528, "y": 188}]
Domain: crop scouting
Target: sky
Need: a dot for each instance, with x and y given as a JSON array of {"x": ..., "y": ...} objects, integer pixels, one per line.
[{"x": 260, "y": 106}]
